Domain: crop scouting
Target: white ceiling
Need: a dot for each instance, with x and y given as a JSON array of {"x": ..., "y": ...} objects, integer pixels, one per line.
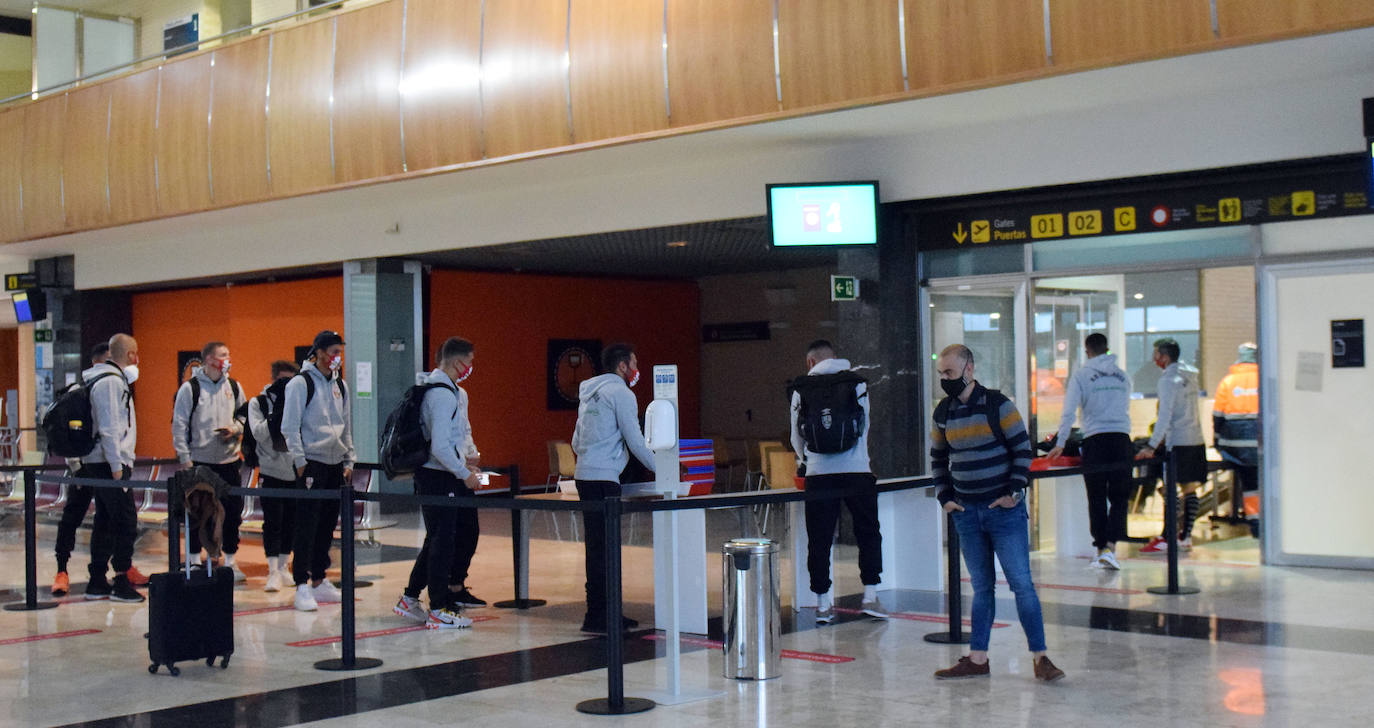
[{"x": 1286, "y": 100}]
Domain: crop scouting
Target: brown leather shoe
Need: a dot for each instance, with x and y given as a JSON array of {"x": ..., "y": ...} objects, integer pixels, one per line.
[
  {"x": 964, "y": 669},
  {"x": 1045, "y": 670}
]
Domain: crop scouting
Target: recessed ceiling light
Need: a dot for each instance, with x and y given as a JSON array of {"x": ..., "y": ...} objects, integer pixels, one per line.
[
  {"x": 1139, "y": 296},
  {"x": 678, "y": 244}
]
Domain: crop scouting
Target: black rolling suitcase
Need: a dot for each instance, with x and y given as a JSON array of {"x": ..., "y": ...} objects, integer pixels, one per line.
[{"x": 190, "y": 616}]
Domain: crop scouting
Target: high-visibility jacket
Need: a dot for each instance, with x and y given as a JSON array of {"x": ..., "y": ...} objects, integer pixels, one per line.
[{"x": 1235, "y": 414}]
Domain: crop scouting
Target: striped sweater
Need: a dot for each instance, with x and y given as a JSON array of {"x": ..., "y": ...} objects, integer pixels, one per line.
[{"x": 966, "y": 458}]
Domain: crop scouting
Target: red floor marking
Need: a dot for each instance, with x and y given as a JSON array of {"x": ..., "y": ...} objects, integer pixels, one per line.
[
  {"x": 815, "y": 657},
  {"x": 917, "y": 617},
  {"x": 1158, "y": 559},
  {"x": 788, "y": 654},
  {"x": 283, "y": 608},
  {"x": 53, "y": 636},
  {"x": 696, "y": 641},
  {"x": 378, "y": 633},
  {"x": 1072, "y": 587}
]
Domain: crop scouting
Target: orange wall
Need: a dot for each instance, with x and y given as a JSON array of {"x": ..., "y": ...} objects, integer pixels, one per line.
[
  {"x": 261, "y": 323},
  {"x": 510, "y": 318}
]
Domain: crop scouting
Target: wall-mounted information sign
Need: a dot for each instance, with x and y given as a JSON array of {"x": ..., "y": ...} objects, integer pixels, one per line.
[
  {"x": 1286, "y": 196},
  {"x": 817, "y": 213},
  {"x": 1347, "y": 343}
]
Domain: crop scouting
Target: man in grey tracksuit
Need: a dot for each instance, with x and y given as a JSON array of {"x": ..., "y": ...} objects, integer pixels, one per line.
[
  {"x": 1178, "y": 429},
  {"x": 317, "y": 425},
  {"x": 838, "y": 471},
  {"x": 443, "y": 420},
  {"x": 607, "y": 431},
  {"x": 275, "y": 470},
  {"x": 206, "y": 432},
  {"x": 1103, "y": 391},
  {"x": 114, "y": 421}
]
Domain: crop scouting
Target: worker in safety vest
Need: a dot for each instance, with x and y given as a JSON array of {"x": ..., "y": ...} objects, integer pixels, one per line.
[{"x": 1235, "y": 426}]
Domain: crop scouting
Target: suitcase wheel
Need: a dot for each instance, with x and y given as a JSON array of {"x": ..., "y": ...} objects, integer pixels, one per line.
[
  {"x": 224, "y": 663},
  {"x": 210, "y": 661},
  {"x": 152, "y": 669},
  {"x": 174, "y": 670}
]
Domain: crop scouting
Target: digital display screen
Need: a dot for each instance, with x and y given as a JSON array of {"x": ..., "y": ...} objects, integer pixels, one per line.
[
  {"x": 823, "y": 213},
  {"x": 22, "y": 313}
]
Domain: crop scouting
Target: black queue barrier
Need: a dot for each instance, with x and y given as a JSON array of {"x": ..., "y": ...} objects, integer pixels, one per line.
[
  {"x": 611, "y": 510},
  {"x": 30, "y": 475},
  {"x": 30, "y": 602}
]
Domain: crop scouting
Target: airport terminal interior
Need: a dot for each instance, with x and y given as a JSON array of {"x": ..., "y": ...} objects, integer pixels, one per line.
[{"x": 719, "y": 183}]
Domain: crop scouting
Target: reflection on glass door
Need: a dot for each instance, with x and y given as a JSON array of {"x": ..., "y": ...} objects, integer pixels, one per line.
[
  {"x": 986, "y": 319},
  {"x": 1067, "y": 310}
]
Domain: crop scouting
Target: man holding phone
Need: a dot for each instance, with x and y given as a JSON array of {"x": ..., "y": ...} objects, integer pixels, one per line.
[{"x": 205, "y": 432}]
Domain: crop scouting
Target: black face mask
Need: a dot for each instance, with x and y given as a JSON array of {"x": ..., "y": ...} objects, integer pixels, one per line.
[{"x": 953, "y": 387}]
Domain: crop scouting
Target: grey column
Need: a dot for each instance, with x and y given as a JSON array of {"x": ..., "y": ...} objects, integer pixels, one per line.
[{"x": 383, "y": 322}]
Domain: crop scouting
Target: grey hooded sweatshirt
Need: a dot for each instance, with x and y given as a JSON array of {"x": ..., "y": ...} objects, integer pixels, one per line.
[
  {"x": 1177, "y": 424},
  {"x": 607, "y": 424},
  {"x": 112, "y": 409},
  {"x": 218, "y": 403},
  {"x": 322, "y": 432},
  {"x": 1104, "y": 393}
]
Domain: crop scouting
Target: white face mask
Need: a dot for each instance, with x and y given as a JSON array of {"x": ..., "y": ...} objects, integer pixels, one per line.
[
  {"x": 335, "y": 363},
  {"x": 466, "y": 373},
  {"x": 131, "y": 373}
]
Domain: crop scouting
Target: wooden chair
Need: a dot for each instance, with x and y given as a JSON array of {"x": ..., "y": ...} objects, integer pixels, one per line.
[{"x": 562, "y": 466}]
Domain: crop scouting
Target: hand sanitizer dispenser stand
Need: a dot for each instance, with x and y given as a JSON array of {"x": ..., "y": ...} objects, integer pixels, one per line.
[{"x": 679, "y": 540}]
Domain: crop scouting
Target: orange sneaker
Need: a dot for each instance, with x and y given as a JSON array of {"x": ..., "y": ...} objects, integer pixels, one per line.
[
  {"x": 61, "y": 584},
  {"x": 136, "y": 577}
]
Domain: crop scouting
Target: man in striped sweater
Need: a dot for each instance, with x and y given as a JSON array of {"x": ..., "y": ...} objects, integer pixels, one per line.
[{"x": 980, "y": 457}]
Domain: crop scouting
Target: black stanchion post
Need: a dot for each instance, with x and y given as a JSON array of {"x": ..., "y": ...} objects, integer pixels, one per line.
[
  {"x": 30, "y": 602},
  {"x": 1171, "y": 528},
  {"x": 615, "y": 702},
  {"x": 955, "y": 594},
  {"x": 350, "y": 660},
  {"x": 520, "y": 545}
]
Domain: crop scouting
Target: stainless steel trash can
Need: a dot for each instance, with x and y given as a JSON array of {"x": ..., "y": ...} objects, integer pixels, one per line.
[{"x": 752, "y": 605}]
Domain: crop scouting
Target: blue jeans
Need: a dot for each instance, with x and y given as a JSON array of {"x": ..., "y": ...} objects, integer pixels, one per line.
[{"x": 986, "y": 531}]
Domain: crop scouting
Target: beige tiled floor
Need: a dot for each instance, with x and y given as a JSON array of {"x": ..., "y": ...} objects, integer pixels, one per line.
[{"x": 1115, "y": 678}]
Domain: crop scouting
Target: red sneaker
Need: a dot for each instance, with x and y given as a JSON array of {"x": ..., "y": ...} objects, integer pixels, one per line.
[
  {"x": 136, "y": 577},
  {"x": 1156, "y": 545}
]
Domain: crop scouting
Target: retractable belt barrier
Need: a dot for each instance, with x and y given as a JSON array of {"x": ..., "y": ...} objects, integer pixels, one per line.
[
  {"x": 612, "y": 510},
  {"x": 30, "y": 476}
]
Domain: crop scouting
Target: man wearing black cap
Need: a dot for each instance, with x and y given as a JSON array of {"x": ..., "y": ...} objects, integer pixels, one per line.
[{"x": 316, "y": 422}]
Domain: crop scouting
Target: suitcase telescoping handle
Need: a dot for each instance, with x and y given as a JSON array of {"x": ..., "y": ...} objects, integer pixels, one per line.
[{"x": 186, "y": 565}]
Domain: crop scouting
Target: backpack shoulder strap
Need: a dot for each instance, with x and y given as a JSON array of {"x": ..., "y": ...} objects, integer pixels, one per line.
[
  {"x": 309, "y": 387},
  {"x": 195, "y": 402},
  {"x": 992, "y": 408},
  {"x": 238, "y": 393}
]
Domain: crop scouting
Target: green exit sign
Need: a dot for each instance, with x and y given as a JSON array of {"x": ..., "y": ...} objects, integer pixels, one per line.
[
  {"x": 844, "y": 288},
  {"x": 42, "y": 336}
]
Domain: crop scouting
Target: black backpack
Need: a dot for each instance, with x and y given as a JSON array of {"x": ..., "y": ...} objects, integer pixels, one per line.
[
  {"x": 67, "y": 422},
  {"x": 195, "y": 402},
  {"x": 310, "y": 391},
  {"x": 249, "y": 446},
  {"x": 830, "y": 418},
  {"x": 403, "y": 446},
  {"x": 992, "y": 410}
]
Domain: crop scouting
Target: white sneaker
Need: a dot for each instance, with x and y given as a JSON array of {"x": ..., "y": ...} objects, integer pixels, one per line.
[
  {"x": 1107, "y": 560},
  {"x": 286, "y": 576},
  {"x": 1185, "y": 544},
  {"x": 446, "y": 619},
  {"x": 874, "y": 609},
  {"x": 327, "y": 592},
  {"x": 273, "y": 581},
  {"x": 410, "y": 609},
  {"x": 238, "y": 573},
  {"x": 305, "y": 599}
]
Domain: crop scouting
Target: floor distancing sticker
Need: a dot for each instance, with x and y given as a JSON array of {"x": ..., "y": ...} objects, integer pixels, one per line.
[
  {"x": 53, "y": 636},
  {"x": 377, "y": 633}
]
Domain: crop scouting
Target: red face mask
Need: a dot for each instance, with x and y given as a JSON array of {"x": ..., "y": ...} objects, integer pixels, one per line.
[
  {"x": 465, "y": 373},
  {"x": 634, "y": 377}
]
